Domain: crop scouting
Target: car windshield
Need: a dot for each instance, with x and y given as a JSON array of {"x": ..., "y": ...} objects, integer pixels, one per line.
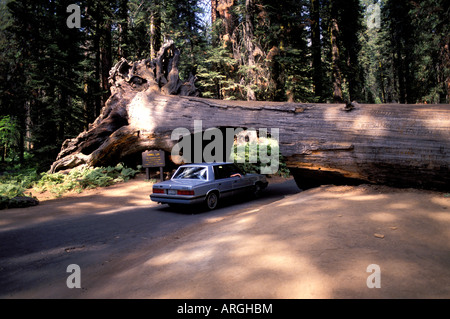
[{"x": 191, "y": 172}]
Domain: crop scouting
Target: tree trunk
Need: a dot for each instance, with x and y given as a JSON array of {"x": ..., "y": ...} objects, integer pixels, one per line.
[
  {"x": 106, "y": 60},
  {"x": 155, "y": 30},
  {"x": 316, "y": 48},
  {"x": 123, "y": 29},
  {"x": 399, "y": 145},
  {"x": 250, "y": 48},
  {"x": 223, "y": 9},
  {"x": 213, "y": 11},
  {"x": 97, "y": 70},
  {"x": 335, "y": 60}
]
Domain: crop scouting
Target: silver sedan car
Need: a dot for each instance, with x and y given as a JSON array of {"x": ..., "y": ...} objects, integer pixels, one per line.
[{"x": 206, "y": 183}]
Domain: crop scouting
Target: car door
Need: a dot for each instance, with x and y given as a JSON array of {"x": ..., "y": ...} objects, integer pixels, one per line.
[
  {"x": 239, "y": 181},
  {"x": 223, "y": 181}
]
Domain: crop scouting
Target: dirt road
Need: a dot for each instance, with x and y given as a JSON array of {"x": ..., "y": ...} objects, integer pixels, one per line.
[{"x": 288, "y": 244}]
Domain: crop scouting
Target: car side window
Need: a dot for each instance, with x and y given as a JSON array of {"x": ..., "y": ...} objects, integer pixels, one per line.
[
  {"x": 220, "y": 172},
  {"x": 233, "y": 170},
  {"x": 226, "y": 171}
]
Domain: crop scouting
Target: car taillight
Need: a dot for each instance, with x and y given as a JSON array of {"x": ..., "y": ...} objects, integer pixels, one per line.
[
  {"x": 158, "y": 190},
  {"x": 185, "y": 192}
]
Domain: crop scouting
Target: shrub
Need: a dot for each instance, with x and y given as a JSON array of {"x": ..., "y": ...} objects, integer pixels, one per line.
[
  {"x": 79, "y": 179},
  {"x": 14, "y": 186},
  {"x": 244, "y": 156}
]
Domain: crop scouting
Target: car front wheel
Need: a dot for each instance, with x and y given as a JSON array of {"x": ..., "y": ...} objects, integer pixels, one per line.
[{"x": 212, "y": 200}]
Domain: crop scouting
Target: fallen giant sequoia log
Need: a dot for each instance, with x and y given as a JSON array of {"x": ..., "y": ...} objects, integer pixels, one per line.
[{"x": 393, "y": 144}]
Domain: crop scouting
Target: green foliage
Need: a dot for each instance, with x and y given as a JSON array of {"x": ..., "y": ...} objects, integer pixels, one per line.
[
  {"x": 431, "y": 61},
  {"x": 24, "y": 182},
  {"x": 13, "y": 185},
  {"x": 22, "y": 179},
  {"x": 9, "y": 137},
  {"x": 264, "y": 56},
  {"x": 404, "y": 57},
  {"x": 42, "y": 67},
  {"x": 54, "y": 80},
  {"x": 213, "y": 78},
  {"x": 79, "y": 179},
  {"x": 11, "y": 190},
  {"x": 247, "y": 156}
]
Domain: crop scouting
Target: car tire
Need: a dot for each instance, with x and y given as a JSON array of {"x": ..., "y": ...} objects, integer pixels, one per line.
[
  {"x": 212, "y": 199},
  {"x": 257, "y": 189}
]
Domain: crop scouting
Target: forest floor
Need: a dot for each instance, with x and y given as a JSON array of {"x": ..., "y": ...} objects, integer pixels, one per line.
[{"x": 319, "y": 243}]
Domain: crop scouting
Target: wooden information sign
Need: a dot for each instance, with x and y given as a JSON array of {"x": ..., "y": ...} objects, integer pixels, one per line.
[{"x": 153, "y": 159}]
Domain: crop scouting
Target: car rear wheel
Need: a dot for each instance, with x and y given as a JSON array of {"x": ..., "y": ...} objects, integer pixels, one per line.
[
  {"x": 212, "y": 200},
  {"x": 257, "y": 189}
]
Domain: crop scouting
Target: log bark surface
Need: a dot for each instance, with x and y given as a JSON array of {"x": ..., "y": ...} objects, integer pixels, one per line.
[{"x": 393, "y": 144}]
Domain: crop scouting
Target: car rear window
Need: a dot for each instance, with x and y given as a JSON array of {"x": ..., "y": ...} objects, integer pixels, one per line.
[{"x": 191, "y": 172}]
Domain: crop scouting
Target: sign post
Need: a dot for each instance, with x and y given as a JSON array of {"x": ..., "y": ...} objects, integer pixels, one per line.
[{"x": 154, "y": 159}]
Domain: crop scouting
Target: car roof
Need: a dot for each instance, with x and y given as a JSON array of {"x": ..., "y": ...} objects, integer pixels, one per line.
[{"x": 208, "y": 164}]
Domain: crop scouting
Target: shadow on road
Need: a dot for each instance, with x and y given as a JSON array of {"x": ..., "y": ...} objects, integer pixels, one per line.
[
  {"x": 272, "y": 193},
  {"x": 286, "y": 244},
  {"x": 38, "y": 243}
]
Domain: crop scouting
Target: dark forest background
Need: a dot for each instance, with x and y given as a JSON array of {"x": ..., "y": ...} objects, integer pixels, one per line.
[{"x": 54, "y": 79}]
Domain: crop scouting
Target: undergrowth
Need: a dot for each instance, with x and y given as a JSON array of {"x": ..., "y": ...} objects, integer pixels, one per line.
[
  {"x": 26, "y": 182},
  {"x": 79, "y": 179},
  {"x": 252, "y": 157}
]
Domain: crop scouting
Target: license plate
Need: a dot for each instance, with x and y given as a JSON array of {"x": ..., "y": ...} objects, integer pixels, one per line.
[{"x": 172, "y": 192}]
